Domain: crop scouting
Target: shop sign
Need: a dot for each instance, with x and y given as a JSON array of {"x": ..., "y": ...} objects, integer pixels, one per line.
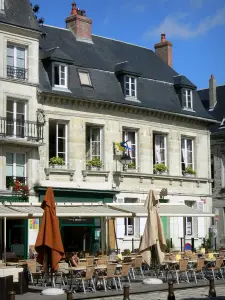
[
  {"x": 77, "y": 220},
  {"x": 188, "y": 228}
]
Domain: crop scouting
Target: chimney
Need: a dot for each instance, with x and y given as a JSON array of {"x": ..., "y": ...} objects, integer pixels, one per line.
[
  {"x": 212, "y": 92},
  {"x": 79, "y": 24},
  {"x": 164, "y": 50}
]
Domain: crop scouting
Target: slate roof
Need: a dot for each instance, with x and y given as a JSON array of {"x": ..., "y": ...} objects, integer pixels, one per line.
[
  {"x": 56, "y": 54},
  {"x": 19, "y": 13},
  {"x": 219, "y": 110},
  {"x": 155, "y": 88},
  {"x": 182, "y": 80}
]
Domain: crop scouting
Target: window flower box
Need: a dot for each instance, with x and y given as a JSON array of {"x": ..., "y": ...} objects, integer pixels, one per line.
[
  {"x": 56, "y": 162},
  {"x": 160, "y": 169},
  {"x": 189, "y": 172},
  {"x": 95, "y": 164}
]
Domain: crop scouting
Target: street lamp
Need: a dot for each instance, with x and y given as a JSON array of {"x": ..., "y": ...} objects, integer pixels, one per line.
[{"x": 125, "y": 160}]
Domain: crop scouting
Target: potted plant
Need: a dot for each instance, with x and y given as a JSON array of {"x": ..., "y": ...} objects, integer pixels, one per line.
[
  {"x": 94, "y": 164},
  {"x": 189, "y": 172},
  {"x": 132, "y": 166},
  {"x": 160, "y": 169},
  {"x": 11, "y": 184},
  {"x": 56, "y": 162}
]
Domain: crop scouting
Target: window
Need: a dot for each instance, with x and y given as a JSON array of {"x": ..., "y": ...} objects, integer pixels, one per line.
[
  {"x": 130, "y": 87},
  {"x": 189, "y": 220},
  {"x": 16, "y": 62},
  {"x": 60, "y": 75},
  {"x": 187, "y": 155},
  {"x": 15, "y": 168},
  {"x": 188, "y": 99},
  {"x": 58, "y": 140},
  {"x": 15, "y": 118},
  {"x": 84, "y": 78},
  {"x": 2, "y": 4},
  {"x": 159, "y": 154},
  {"x": 131, "y": 225},
  {"x": 94, "y": 142},
  {"x": 130, "y": 136}
]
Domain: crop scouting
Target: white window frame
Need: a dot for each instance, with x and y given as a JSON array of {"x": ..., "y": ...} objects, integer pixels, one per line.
[
  {"x": 66, "y": 140},
  {"x": 15, "y": 46},
  {"x": 2, "y": 4},
  {"x": 90, "y": 141},
  {"x": 66, "y": 75},
  {"x": 130, "y": 90},
  {"x": 125, "y": 132},
  {"x": 164, "y": 136},
  {"x": 88, "y": 75},
  {"x": 185, "y": 154},
  {"x": 223, "y": 170},
  {"x": 15, "y": 114},
  {"x": 187, "y": 99},
  {"x": 135, "y": 219},
  {"x": 14, "y": 163}
]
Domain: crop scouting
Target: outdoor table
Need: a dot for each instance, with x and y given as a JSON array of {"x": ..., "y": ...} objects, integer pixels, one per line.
[{"x": 12, "y": 264}]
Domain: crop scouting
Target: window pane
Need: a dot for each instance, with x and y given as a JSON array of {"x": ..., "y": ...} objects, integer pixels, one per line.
[
  {"x": 62, "y": 82},
  {"x": 131, "y": 137},
  {"x": 9, "y": 106},
  {"x": 56, "y": 71},
  {"x": 9, "y": 158},
  {"x": 182, "y": 143},
  {"x": 61, "y": 145},
  {"x": 96, "y": 149},
  {"x": 20, "y": 107},
  {"x": 9, "y": 170},
  {"x": 20, "y": 159},
  {"x": 95, "y": 134},
  {"x": 10, "y": 61},
  {"x": 84, "y": 78},
  {"x": 10, "y": 50},
  {"x": 21, "y": 53},
  {"x": 20, "y": 63},
  {"x": 132, "y": 80},
  {"x": 127, "y": 79},
  {"x": 133, "y": 93},
  {"x": 20, "y": 171},
  {"x": 189, "y": 145},
  {"x": 61, "y": 130},
  {"x": 62, "y": 155}
]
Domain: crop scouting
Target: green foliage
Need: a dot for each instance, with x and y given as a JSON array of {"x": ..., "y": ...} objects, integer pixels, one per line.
[
  {"x": 95, "y": 162},
  {"x": 131, "y": 165},
  {"x": 56, "y": 160},
  {"x": 189, "y": 170},
  {"x": 160, "y": 168},
  {"x": 168, "y": 245}
]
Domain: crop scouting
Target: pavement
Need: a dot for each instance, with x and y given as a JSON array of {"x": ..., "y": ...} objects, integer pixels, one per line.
[{"x": 139, "y": 290}]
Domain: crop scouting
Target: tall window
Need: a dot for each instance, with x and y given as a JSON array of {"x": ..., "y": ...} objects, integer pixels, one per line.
[
  {"x": 16, "y": 62},
  {"x": 60, "y": 75},
  {"x": 187, "y": 154},
  {"x": 15, "y": 118},
  {"x": 58, "y": 140},
  {"x": 159, "y": 155},
  {"x": 130, "y": 136},
  {"x": 130, "y": 86},
  {"x": 188, "y": 99},
  {"x": 15, "y": 168},
  {"x": 131, "y": 225},
  {"x": 94, "y": 142}
]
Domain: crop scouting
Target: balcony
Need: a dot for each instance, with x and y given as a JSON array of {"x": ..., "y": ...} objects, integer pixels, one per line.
[
  {"x": 21, "y": 132},
  {"x": 17, "y": 73}
]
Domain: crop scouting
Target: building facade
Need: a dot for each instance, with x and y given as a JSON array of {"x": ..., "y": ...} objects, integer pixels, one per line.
[
  {"x": 213, "y": 98},
  {"x": 86, "y": 96}
]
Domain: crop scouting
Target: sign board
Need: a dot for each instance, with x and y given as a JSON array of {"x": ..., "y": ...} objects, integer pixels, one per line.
[
  {"x": 189, "y": 228},
  {"x": 130, "y": 229},
  {"x": 77, "y": 220}
]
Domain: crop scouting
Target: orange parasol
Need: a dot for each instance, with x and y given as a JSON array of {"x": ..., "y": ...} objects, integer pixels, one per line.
[{"x": 49, "y": 242}]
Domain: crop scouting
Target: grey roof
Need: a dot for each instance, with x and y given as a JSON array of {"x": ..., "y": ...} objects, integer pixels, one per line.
[
  {"x": 182, "y": 80},
  {"x": 56, "y": 54},
  {"x": 219, "y": 110},
  {"x": 19, "y": 13},
  {"x": 155, "y": 88}
]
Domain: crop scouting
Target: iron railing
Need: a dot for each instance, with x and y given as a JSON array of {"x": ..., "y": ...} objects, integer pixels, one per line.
[
  {"x": 14, "y": 72},
  {"x": 29, "y": 130}
]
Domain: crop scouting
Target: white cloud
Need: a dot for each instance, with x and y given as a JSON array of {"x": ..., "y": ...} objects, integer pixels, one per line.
[{"x": 181, "y": 27}]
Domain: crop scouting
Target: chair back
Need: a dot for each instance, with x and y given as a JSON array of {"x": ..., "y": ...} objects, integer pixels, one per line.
[
  {"x": 222, "y": 253},
  {"x": 219, "y": 263},
  {"x": 138, "y": 262},
  {"x": 82, "y": 263},
  {"x": 89, "y": 272},
  {"x": 101, "y": 262},
  {"x": 127, "y": 259},
  {"x": 90, "y": 260},
  {"x": 104, "y": 257},
  {"x": 86, "y": 254},
  {"x": 125, "y": 269},
  {"x": 200, "y": 264},
  {"x": 183, "y": 265},
  {"x": 32, "y": 265},
  {"x": 63, "y": 267},
  {"x": 111, "y": 269}
]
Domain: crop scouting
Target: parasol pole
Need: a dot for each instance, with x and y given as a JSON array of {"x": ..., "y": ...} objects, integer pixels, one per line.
[{"x": 5, "y": 239}]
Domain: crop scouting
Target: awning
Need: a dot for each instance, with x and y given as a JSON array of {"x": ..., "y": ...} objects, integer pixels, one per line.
[
  {"x": 165, "y": 210},
  {"x": 26, "y": 210}
]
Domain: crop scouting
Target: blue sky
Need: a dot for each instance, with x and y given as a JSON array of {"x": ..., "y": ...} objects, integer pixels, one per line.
[{"x": 195, "y": 27}]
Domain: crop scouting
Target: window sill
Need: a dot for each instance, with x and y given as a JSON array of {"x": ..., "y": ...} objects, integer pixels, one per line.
[
  {"x": 64, "y": 171},
  {"x": 86, "y": 173},
  {"x": 189, "y": 109},
  {"x": 133, "y": 99},
  {"x": 61, "y": 89}
]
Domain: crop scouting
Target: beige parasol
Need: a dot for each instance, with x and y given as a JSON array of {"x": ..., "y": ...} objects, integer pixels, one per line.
[{"x": 153, "y": 233}]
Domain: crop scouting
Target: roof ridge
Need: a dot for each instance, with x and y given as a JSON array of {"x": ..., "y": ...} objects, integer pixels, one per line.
[
  {"x": 47, "y": 25},
  {"x": 219, "y": 85}
]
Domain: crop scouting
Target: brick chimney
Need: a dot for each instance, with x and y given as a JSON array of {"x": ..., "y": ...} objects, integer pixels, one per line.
[
  {"x": 164, "y": 50},
  {"x": 79, "y": 24},
  {"x": 212, "y": 92}
]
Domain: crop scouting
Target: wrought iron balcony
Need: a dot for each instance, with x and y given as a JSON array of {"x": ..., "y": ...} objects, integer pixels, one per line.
[
  {"x": 27, "y": 130},
  {"x": 18, "y": 73}
]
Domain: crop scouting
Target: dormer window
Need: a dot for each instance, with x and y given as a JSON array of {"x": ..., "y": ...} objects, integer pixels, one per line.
[
  {"x": 222, "y": 124},
  {"x": 84, "y": 78},
  {"x": 60, "y": 72},
  {"x": 188, "y": 99},
  {"x": 130, "y": 83}
]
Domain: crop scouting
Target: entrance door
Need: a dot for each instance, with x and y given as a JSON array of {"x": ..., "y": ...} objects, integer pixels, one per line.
[{"x": 16, "y": 231}]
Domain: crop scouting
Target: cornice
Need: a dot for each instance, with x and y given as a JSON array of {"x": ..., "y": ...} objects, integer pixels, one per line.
[{"x": 101, "y": 105}]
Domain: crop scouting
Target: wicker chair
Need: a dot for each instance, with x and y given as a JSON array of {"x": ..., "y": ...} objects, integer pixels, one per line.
[
  {"x": 137, "y": 265},
  {"x": 110, "y": 274},
  {"x": 183, "y": 264},
  {"x": 87, "y": 278},
  {"x": 199, "y": 269},
  {"x": 217, "y": 268},
  {"x": 124, "y": 274}
]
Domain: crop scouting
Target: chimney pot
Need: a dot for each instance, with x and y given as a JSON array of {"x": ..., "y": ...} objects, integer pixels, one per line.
[
  {"x": 74, "y": 10},
  {"x": 212, "y": 92},
  {"x": 164, "y": 50}
]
